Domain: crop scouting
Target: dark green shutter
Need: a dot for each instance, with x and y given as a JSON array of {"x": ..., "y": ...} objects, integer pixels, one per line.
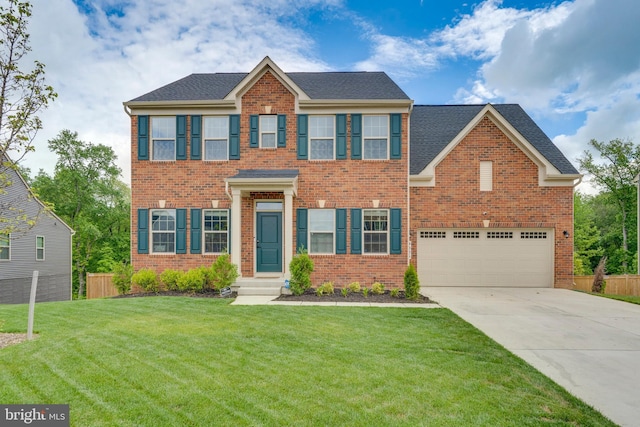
[
  {"x": 282, "y": 130},
  {"x": 196, "y": 231},
  {"x": 341, "y": 136},
  {"x": 396, "y": 136},
  {"x": 396, "y": 231},
  {"x": 254, "y": 121},
  {"x": 356, "y": 231},
  {"x": 143, "y": 138},
  {"x": 303, "y": 137},
  {"x": 341, "y": 231},
  {"x": 301, "y": 229},
  {"x": 356, "y": 136},
  {"x": 181, "y": 231},
  {"x": 181, "y": 137},
  {"x": 143, "y": 231},
  {"x": 234, "y": 137},
  {"x": 196, "y": 137}
]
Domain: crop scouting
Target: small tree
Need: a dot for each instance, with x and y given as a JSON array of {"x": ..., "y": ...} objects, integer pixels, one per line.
[
  {"x": 598, "y": 277},
  {"x": 300, "y": 267},
  {"x": 411, "y": 283},
  {"x": 122, "y": 277},
  {"x": 223, "y": 272}
]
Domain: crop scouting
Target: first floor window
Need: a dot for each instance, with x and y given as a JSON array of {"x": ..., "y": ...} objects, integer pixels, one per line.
[
  {"x": 376, "y": 231},
  {"x": 268, "y": 127},
  {"x": 321, "y": 137},
  {"x": 216, "y": 138},
  {"x": 321, "y": 231},
  {"x": 163, "y": 230},
  {"x": 5, "y": 247},
  {"x": 216, "y": 231},
  {"x": 163, "y": 137},
  {"x": 40, "y": 248},
  {"x": 375, "y": 132}
]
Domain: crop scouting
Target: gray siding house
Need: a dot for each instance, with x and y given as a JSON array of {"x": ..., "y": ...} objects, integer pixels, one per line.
[{"x": 45, "y": 247}]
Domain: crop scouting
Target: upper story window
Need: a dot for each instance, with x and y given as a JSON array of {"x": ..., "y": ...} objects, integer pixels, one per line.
[
  {"x": 163, "y": 231},
  {"x": 321, "y": 231},
  {"x": 216, "y": 138},
  {"x": 216, "y": 231},
  {"x": 5, "y": 247},
  {"x": 39, "y": 248},
  {"x": 268, "y": 129},
  {"x": 376, "y": 231},
  {"x": 321, "y": 137},
  {"x": 375, "y": 131},
  {"x": 163, "y": 138}
]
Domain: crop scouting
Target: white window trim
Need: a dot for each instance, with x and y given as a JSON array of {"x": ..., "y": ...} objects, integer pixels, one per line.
[
  {"x": 204, "y": 232},
  {"x": 9, "y": 247},
  {"x": 486, "y": 176},
  {"x": 333, "y": 138},
  {"x": 153, "y": 141},
  {"x": 204, "y": 141},
  {"x": 274, "y": 132},
  {"x": 152, "y": 232},
  {"x": 43, "y": 248},
  {"x": 388, "y": 232},
  {"x": 333, "y": 232},
  {"x": 387, "y": 137}
]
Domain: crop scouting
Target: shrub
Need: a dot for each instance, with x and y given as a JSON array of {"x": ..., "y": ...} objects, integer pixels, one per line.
[
  {"x": 300, "y": 267},
  {"x": 411, "y": 283},
  {"x": 377, "y": 288},
  {"x": 598, "y": 277},
  {"x": 147, "y": 279},
  {"x": 395, "y": 293},
  {"x": 192, "y": 281},
  {"x": 223, "y": 272},
  {"x": 122, "y": 277},
  {"x": 365, "y": 292},
  {"x": 325, "y": 289},
  {"x": 344, "y": 292},
  {"x": 354, "y": 286},
  {"x": 170, "y": 278}
]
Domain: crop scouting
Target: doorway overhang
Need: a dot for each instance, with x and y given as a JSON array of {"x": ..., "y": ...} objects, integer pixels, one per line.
[{"x": 262, "y": 180}]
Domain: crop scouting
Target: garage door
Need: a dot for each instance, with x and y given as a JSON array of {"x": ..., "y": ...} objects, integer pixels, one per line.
[{"x": 486, "y": 257}]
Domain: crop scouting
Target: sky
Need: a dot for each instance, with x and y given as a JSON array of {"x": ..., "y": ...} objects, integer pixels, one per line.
[{"x": 574, "y": 66}]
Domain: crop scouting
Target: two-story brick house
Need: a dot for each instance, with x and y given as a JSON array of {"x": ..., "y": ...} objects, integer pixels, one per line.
[{"x": 262, "y": 163}]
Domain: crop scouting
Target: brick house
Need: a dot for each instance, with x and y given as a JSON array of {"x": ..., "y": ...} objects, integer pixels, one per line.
[{"x": 343, "y": 164}]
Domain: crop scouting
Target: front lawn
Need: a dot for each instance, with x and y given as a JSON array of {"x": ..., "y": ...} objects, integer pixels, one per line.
[{"x": 177, "y": 361}]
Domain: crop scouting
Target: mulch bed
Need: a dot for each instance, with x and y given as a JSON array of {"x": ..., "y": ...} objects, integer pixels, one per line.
[
  {"x": 310, "y": 296},
  {"x": 209, "y": 293}
]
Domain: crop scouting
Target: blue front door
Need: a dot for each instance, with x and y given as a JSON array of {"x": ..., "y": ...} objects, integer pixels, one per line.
[{"x": 269, "y": 242}]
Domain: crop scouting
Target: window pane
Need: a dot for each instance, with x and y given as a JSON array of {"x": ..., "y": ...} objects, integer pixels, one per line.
[
  {"x": 375, "y": 242},
  {"x": 321, "y": 127},
  {"x": 321, "y": 220},
  {"x": 215, "y": 242},
  {"x": 215, "y": 149},
  {"x": 321, "y": 149},
  {"x": 164, "y": 242},
  {"x": 267, "y": 123},
  {"x": 163, "y": 127},
  {"x": 163, "y": 220},
  {"x": 375, "y": 126},
  {"x": 164, "y": 149},
  {"x": 375, "y": 220},
  {"x": 375, "y": 148},
  {"x": 4, "y": 252},
  {"x": 216, "y": 127},
  {"x": 269, "y": 206},
  {"x": 215, "y": 221},
  {"x": 321, "y": 243},
  {"x": 268, "y": 140}
]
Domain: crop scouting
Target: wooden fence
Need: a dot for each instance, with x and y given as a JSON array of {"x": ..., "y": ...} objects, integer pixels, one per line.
[
  {"x": 99, "y": 285},
  {"x": 616, "y": 285}
]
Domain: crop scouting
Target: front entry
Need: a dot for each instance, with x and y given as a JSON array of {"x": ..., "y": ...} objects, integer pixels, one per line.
[{"x": 269, "y": 242}]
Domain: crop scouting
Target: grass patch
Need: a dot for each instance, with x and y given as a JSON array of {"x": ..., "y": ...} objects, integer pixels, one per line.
[
  {"x": 191, "y": 362},
  {"x": 626, "y": 298}
]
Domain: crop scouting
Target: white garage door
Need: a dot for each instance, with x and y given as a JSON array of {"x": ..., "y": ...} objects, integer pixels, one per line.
[{"x": 486, "y": 257}]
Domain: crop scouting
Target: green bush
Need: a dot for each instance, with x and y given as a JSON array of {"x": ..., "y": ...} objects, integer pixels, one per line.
[
  {"x": 365, "y": 292},
  {"x": 192, "y": 281},
  {"x": 223, "y": 272},
  {"x": 344, "y": 292},
  {"x": 377, "y": 288},
  {"x": 395, "y": 293},
  {"x": 354, "y": 286},
  {"x": 300, "y": 267},
  {"x": 147, "y": 279},
  {"x": 325, "y": 289},
  {"x": 411, "y": 283},
  {"x": 122, "y": 277},
  {"x": 170, "y": 278}
]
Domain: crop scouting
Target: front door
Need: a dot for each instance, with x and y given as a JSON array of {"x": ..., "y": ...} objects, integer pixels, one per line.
[{"x": 269, "y": 242}]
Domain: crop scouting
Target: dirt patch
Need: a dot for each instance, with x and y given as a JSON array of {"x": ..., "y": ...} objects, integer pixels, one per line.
[
  {"x": 311, "y": 296},
  {"x": 7, "y": 339}
]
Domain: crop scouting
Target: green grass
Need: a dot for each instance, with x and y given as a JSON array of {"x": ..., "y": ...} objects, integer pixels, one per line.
[
  {"x": 626, "y": 298},
  {"x": 171, "y": 361}
]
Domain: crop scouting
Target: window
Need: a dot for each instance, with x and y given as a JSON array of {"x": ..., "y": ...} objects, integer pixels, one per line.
[
  {"x": 321, "y": 231},
  {"x": 376, "y": 231},
  {"x": 163, "y": 230},
  {"x": 5, "y": 247},
  {"x": 486, "y": 176},
  {"x": 39, "y": 248},
  {"x": 321, "y": 137},
  {"x": 268, "y": 128},
  {"x": 216, "y": 231},
  {"x": 376, "y": 137},
  {"x": 216, "y": 138},
  {"x": 163, "y": 137}
]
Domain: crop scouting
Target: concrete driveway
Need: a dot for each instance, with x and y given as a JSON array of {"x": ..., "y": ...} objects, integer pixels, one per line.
[{"x": 589, "y": 345}]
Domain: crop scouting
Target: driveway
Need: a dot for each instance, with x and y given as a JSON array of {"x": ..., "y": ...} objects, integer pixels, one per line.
[{"x": 587, "y": 344}]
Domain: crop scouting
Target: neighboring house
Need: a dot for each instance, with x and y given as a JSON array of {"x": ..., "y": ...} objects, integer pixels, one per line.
[
  {"x": 45, "y": 247},
  {"x": 343, "y": 164}
]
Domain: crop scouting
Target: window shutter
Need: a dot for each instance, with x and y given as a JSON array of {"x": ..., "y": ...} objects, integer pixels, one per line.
[
  {"x": 396, "y": 136},
  {"x": 341, "y": 136},
  {"x": 301, "y": 229},
  {"x": 143, "y": 231},
  {"x": 282, "y": 130},
  {"x": 196, "y": 231},
  {"x": 196, "y": 137},
  {"x": 143, "y": 137},
  {"x": 356, "y": 136},
  {"x": 303, "y": 137},
  {"x": 396, "y": 231},
  {"x": 181, "y": 137},
  {"x": 356, "y": 231},
  {"x": 234, "y": 137},
  {"x": 181, "y": 231},
  {"x": 341, "y": 231},
  {"x": 253, "y": 131}
]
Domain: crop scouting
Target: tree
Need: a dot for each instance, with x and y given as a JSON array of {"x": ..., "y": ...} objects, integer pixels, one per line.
[
  {"x": 586, "y": 237},
  {"x": 22, "y": 95},
  {"x": 615, "y": 174}
]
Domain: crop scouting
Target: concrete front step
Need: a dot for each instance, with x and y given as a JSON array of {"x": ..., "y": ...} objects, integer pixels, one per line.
[
  {"x": 259, "y": 287},
  {"x": 258, "y": 291}
]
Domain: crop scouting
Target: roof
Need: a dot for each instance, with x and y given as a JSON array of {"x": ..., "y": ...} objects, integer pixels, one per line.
[
  {"x": 433, "y": 127},
  {"x": 266, "y": 173}
]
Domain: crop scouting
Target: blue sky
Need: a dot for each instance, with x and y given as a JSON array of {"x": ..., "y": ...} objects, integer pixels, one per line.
[{"x": 574, "y": 65}]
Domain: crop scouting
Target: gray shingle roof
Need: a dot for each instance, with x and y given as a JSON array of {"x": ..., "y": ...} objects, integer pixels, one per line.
[
  {"x": 435, "y": 126},
  {"x": 266, "y": 173}
]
